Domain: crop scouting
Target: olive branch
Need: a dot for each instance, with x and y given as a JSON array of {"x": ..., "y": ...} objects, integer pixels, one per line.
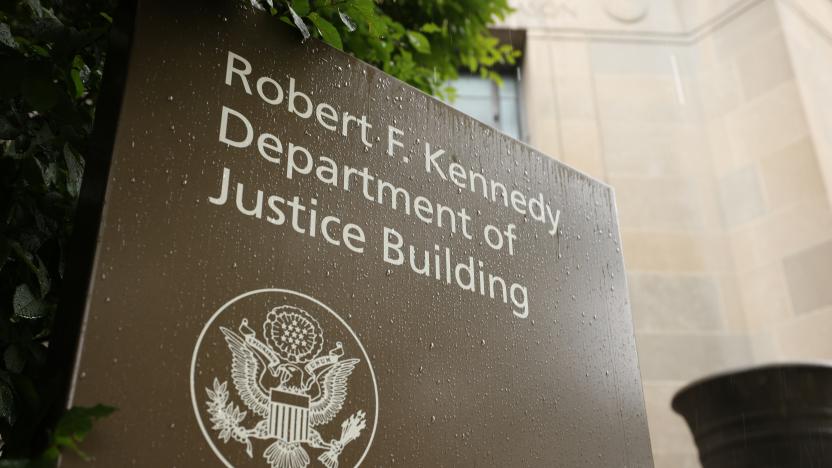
[{"x": 226, "y": 416}]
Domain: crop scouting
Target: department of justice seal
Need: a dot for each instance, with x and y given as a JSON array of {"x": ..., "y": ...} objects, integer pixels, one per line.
[{"x": 294, "y": 367}]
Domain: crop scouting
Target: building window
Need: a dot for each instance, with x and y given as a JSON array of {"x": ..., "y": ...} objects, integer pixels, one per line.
[{"x": 497, "y": 106}]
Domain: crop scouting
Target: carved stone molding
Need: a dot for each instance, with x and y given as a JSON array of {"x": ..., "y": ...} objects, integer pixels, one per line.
[
  {"x": 627, "y": 11},
  {"x": 548, "y": 9}
]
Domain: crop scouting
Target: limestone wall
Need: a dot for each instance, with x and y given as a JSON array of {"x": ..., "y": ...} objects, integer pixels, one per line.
[{"x": 712, "y": 121}]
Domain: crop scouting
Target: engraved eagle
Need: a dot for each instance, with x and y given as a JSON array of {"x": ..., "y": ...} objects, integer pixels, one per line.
[
  {"x": 284, "y": 380},
  {"x": 249, "y": 369}
]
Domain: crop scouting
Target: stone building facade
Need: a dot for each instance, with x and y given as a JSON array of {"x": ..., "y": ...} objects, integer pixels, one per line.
[{"x": 712, "y": 120}]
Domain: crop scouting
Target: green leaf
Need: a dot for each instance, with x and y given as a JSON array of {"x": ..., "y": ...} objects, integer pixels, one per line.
[
  {"x": 430, "y": 28},
  {"x": 299, "y": 24},
  {"x": 27, "y": 305},
  {"x": 301, "y": 7},
  {"x": 49, "y": 173},
  {"x": 106, "y": 17},
  {"x": 42, "y": 274},
  {"x": 348, "y": 22},
  {"x": 419, "y": 42},
  {"x": 363, "y": 9},
  {"x": 75, "y": 76},
  {"x": 6, "y": 37},
  {"x": 496, "y": 78},
  {"x": 36, "y": 266},
  {"x": 35, "y": 7},
  {"x": 76, "y": 424},
  {"x": 74, "y": 170},
  {"x": 40, "y": 50},
  {"x": 7, "y": 406},
  {"x": 328, "y": 32},
  {"x": 377, "y": 26}
]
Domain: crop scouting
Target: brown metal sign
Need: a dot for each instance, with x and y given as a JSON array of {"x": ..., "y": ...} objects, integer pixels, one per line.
[{"x": 304, "y": 262}]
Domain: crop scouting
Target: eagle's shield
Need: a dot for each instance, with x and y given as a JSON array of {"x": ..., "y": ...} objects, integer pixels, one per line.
[{"x": 289, "y": 416}]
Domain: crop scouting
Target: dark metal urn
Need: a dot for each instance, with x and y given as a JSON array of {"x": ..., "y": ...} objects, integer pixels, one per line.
[{"x": 765, "y": 417}]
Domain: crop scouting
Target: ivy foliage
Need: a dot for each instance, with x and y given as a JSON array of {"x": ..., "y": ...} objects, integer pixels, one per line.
[
  {"x": 51, "y": 60},
  {"x": 71, "y": 429},
  {"x": 422, "y": 42},
  {"x": 51, "y": 57}
]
